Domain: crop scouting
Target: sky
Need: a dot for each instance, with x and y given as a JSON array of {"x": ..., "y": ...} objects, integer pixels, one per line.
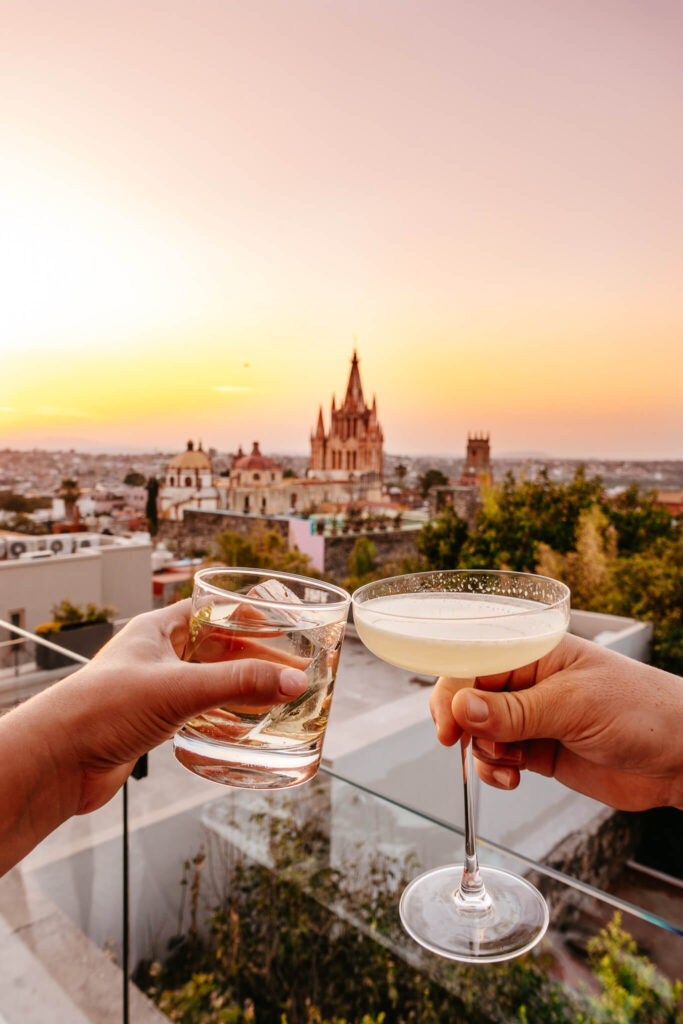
[{"x": 204, "y": 205}]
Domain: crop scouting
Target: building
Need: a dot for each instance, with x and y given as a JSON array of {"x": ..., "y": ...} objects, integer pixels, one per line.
[
  {"x": 188, "y": 483},
  {"x": 672, "y": 501},
  {"x": 87, "y": 568},
  {"x": 464, "y": 495},
  {"x": 257, "y": 485},
  {"x": 477, "y": 468},
  {"x": 353, "y": 447}
]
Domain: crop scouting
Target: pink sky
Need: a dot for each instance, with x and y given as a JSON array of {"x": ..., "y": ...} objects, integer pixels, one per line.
[{"x": 487, "y": 195}]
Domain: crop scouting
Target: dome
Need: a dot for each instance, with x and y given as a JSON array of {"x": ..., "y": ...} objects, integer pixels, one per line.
[
  {"x": 254, "y": 461},
  {"x": 191, "y": 459}
]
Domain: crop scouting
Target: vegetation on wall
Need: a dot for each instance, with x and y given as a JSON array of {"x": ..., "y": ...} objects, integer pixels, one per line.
[
  {"x": 261, "y": 549},
  {"x": 305, "y": 942}
]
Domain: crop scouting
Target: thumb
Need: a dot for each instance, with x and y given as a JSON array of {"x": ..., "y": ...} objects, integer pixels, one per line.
[
  {"x": 247, "y": 683},
  {"x": 510, "y": 716}
]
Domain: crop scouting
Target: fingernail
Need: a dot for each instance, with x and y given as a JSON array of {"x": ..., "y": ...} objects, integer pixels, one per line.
[
  {"x": 502, "y": 777},
  {"x": 476, "y": 708},
  {"x": 292, "y": 682}
]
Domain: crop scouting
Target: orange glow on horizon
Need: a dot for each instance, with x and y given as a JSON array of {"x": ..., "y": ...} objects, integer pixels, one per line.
[{"x": 201, "y": 214}]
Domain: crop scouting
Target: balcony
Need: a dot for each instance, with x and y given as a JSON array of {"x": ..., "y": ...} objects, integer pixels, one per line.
[{"x": 101, "y": 898}]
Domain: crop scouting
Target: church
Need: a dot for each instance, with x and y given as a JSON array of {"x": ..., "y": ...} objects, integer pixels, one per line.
[
  {"x": 353, "y": 447},
  {"x": 188, "y": 483},
  {"x": 346, "y": 466}
]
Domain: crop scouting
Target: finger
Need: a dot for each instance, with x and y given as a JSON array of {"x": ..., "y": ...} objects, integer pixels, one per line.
[
  {"x": 171, "y": 624},
  {"x": 495, "y": 682},
  {"x": 447, "y": 729},
  {"x": 560, "y": 657},
  {"x": 495, "y": 753},
  {"x": 536, "y": 712},
  {"x": 239, "y": 684},
  {"x": 502, "y": 777}
]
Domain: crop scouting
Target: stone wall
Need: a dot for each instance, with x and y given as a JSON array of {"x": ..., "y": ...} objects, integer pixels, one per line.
[
  {"x": 465, "y": 500},
  {"x": 594, "y": 854},
  {"x": 198, "y": 527},
  {"x": 390, "y": 545}
]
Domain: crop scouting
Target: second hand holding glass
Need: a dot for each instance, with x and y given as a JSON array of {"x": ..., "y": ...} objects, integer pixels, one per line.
[{"x": 464, "y": 624}]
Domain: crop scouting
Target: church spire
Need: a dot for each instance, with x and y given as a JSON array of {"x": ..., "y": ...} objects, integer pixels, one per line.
[
  {"x": 354, "y": 390},
  {"x": 320, "y": 429}
]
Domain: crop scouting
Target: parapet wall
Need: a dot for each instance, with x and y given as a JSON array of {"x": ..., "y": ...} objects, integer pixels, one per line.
[{"x": 198, "y": 527}]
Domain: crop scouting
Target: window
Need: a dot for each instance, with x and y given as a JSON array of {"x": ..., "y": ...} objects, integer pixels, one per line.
[
  {"x": 188, "y": 481},
  {"x": 246, "y": 503},
  {"x": 257, "y": 476}
]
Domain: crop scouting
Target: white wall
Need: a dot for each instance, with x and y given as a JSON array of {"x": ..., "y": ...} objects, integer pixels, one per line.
[
  {"x": 119, "y": 575},
  {"x": 631, "y": 637},
  {"x": 127, "y": 578}
]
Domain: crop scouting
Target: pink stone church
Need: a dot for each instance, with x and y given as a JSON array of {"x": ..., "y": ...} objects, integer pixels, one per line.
[{"x": 353, "y": 447}]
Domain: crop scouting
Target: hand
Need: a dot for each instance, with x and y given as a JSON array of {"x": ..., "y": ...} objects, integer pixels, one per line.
[
  {"x": 603, "y": 724},
  {"x": 70, "y": 748}
]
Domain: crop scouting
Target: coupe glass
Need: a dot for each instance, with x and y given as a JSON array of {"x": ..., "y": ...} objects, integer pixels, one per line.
[{"x": 464, "y": 624}]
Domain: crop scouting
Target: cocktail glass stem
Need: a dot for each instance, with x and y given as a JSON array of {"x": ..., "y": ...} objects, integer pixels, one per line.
[{"x": 471, "y": 893}]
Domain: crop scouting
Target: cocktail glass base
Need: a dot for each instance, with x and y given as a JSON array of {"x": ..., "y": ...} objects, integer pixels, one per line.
[{"x": 515, "y": 919}]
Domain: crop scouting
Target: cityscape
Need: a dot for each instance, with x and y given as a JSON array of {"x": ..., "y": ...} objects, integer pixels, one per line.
[
  {"x": 302, "y": 300},
  {"x": 346, "y": 466}
]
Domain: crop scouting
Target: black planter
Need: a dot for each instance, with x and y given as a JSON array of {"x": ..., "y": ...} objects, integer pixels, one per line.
[{"x": 85, "y": 640}]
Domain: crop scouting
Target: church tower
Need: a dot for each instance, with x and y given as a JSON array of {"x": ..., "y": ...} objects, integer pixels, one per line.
[
  {"x": 354, "y": 446},
  {"x": 477, "y": 468}
]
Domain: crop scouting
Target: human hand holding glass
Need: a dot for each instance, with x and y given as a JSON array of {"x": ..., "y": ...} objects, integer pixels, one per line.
[
  {"x": 266, "y": 617},
  {"x": 463, "y": 624}
]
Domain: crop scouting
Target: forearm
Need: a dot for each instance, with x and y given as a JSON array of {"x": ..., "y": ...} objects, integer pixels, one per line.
[
  {"x": 673, "y": 738},
  {"x": 38, "y": 785}
]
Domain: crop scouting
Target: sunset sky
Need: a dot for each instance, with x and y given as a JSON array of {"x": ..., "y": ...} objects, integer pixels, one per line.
[{"x": 203, "y": 203}]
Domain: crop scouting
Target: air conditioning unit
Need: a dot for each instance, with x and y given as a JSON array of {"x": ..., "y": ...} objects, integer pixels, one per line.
[
  {"x": 18, "y": 547},
  {"x": 3, "y": 548},
  {"x": 83, "y": 541},
  {"x": 61, "y": 545}
]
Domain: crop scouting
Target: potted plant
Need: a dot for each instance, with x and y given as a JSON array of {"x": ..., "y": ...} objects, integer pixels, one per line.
[{"x": 80, "y": 631}]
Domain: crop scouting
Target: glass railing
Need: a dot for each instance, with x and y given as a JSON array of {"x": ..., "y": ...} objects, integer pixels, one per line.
[{"x": 187, "y": 900}]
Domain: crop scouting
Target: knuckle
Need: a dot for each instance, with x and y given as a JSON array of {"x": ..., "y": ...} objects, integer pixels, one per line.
[{"x": 518, "y": 714}]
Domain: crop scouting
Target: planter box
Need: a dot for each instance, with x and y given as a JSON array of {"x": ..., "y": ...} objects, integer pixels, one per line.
[{"x": 85, "y": 640}]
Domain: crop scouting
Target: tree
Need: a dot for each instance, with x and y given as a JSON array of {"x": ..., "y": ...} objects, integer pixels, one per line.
[
  {"x": 401, "y": 472},
  {"x": 518, "y": 516},
  {"x": 151, "y": 511},
  {"x": 11, "y": 502},
  {"x": 649, "y": 585},
  {"x": 440, "y": 542},
  {"x": 587, "y": 570},
  {"x": 638, "y": 519},
  {"x": 362, "y": 564},
  {"x": 431, "y": 478},
  {"x": 69, "y": 492},
  {"x": 134, "y": 479},
  {"x": 262, "y": 549},
  {"x": 21, "y": 523}
]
